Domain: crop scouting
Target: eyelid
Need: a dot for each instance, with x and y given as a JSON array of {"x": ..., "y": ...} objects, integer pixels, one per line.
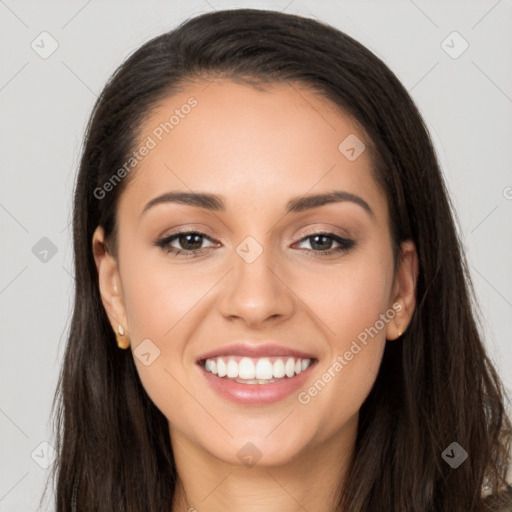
[
  {"x": 189, "y": 228},
  {"x": 331, "y": 230},
  {"x": 175, "y": 235}
]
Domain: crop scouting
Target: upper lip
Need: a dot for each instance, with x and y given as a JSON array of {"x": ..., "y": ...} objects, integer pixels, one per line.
[{"x": 255, "y": 350}]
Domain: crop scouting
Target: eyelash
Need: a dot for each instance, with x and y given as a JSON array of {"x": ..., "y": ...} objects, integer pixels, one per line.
[{"x": 164, "y": 244}]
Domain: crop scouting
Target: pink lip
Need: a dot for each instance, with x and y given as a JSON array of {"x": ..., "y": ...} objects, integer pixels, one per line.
[
  {"x": 256, "y": 394},
  {"x": 251, "y": 350}
]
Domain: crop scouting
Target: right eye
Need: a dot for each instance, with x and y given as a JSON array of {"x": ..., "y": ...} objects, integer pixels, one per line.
[{"x": 189, "y": 241}]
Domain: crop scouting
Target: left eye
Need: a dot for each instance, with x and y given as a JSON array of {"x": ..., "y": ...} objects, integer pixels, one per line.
[{"x": 322, "y": 242}]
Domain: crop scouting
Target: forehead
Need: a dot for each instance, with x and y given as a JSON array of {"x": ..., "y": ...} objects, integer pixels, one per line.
[{"x": 247, "y": 144}]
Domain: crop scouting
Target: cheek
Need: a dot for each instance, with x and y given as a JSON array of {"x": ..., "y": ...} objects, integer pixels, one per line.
[
  {"x": 353, "y": 306},
  {"x": 158, "y": 309},
  {"x": 158, "y": 294},
  {"x": 161, "y": 302},
  {"x": 350, "y": 303},
  {"x": 348, "y": 299},
  {"x": 341, "y": 386}
]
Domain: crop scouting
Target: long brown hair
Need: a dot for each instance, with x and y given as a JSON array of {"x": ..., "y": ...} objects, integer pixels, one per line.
[{"x": 436, "y": 384}]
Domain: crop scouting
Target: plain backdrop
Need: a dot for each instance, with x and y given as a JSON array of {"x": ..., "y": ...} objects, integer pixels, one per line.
[{"x": 45, "y": 100}]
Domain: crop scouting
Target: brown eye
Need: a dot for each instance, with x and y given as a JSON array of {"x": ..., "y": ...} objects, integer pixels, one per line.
[
  {"x": 322, "y": 243},
  {"x": 188, "y": 243}
]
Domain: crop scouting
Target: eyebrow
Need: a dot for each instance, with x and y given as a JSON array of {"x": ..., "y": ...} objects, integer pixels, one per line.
[{"x": 215, "y": 203}]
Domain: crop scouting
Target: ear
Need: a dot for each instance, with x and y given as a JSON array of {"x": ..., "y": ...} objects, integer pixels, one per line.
[
  {"x": 109, "y": 282},
  {"x": 404, "y": 290}
]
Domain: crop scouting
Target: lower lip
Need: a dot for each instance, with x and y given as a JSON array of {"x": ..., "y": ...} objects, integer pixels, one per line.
[{"x": 256, "y": 394}]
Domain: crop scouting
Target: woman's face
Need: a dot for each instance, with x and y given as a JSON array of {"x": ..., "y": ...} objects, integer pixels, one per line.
[{"x": 270, "y": 275}]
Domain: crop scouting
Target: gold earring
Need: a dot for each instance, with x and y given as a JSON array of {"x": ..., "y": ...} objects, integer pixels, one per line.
[
  {"x": 122, "y": 343},
  {"x": 399, "y": 331}
]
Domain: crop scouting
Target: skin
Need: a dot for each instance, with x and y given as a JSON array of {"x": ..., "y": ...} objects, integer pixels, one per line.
[{"x": 257, "y": 149}]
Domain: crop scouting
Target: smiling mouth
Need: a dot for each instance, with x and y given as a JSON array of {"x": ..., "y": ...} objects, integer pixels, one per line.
[{"x": 262, "y": 370}]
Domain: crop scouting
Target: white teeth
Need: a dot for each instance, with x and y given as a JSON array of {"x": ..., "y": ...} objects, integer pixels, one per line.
[
  {"x": 254, "y": 381},
  {"x": 246, "y": 369},
  {"x": 221, "y": 367},
  {"x": 232, "y": 369},
  {"x": 263, "y": 369},
  {"x": 289, "y": 367},
  {"x": 278, "y": 369},
  {"x": 256, "y": 371}
]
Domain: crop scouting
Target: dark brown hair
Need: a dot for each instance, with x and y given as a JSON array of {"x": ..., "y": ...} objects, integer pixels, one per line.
[{"x": 436, "y": 384}]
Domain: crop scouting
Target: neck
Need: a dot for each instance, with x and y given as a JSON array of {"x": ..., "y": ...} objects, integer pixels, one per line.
[{"x": 311, "y": 481}]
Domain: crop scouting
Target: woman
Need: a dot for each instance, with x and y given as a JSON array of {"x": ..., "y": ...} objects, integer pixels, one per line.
[{"x": 261, "y": 222}]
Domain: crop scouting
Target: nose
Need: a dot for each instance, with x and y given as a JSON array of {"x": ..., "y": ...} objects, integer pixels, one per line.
[{"x": 257, "y": 293}]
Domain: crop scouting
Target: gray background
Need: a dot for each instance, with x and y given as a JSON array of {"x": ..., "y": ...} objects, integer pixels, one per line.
[{"x": 45, "y": 103}]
